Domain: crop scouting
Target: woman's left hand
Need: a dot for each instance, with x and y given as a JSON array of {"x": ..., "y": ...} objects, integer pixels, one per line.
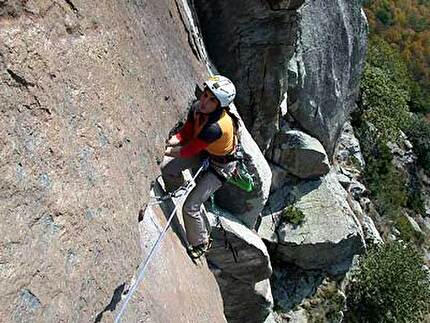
[{"x": 172, "y": 151}]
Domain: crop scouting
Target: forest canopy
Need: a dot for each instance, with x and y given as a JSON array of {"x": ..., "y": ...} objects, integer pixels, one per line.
[{"x": 405, "y": 25}]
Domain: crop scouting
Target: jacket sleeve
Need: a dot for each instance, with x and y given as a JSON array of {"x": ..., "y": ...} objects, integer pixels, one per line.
[
  {"x": 186, "y": 133},
  {"x": 193, "y": 148}
]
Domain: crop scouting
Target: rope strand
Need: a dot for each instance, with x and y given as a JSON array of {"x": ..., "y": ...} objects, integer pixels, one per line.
[{"x": 154, "y": 248}]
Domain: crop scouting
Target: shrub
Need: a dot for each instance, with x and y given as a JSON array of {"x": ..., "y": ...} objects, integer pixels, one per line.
[
  {"x": 381, "y": 54},
  {"x": 386, "y": 184},
  {"x": 419, "y": 134},
  {"x": 384, "y": 111},
  {"x": 405, "y": 25},
  {"x": 407, "y": 232},
  {"x": 415, "y": 201},
  {"x": 292, "y": 215},
  {"x": 383, "y": 103},
  {"x": 391, "y": 285},
  {"x": 419, "y": 99},
  {"x": 385, "y": 16}
]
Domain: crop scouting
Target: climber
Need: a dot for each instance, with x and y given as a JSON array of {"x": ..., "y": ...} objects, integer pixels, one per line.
[{"x": 209, "y": 132}]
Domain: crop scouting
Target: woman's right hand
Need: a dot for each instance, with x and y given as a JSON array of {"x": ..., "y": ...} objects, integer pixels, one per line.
[{"x": 173, "y": 141}]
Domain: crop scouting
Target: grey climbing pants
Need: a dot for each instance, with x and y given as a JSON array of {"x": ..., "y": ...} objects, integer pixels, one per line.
[{"x": 206, "y": 184}]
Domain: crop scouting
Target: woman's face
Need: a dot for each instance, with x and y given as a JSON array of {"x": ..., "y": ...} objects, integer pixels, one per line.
[{"x": 208, "y": 102}]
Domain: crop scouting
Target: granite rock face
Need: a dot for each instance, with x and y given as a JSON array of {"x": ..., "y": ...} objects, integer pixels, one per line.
[
  {"x": 251, "y": 42},
  {"x": 300, "y": 154},
  {"x": 172, "y": 283},
  {"x": 88, "y": 92},
  {"x": 291, "y": 285},
  {"x": 312, "y": 50},
  {"x": 245, "y": 302},
  {"x": 330, "y": 234},
  {"x": 348, "y": 148},
  {"x": 242, "y": 268},
  {"x": 325, "y": 70}
]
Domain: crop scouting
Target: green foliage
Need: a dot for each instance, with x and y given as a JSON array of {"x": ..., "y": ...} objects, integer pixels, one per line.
[
  {"x": 419, "y": 99},
  {"x": 415, "y": 202},
  {"x": 405, "y": 25},
  {"x": 385, "y": 89},
  {"x": 292, "y": 215},
  {"x": 381, "y": 54},
  {"x": 419, "y": 134},
  {"x": 384, "y": 103},
  {"x": 418, "y": 24},
  {"x": 390, "y": 286},
  {"x": 386, "y": 184},
  {"x": 384, "y": 14},
  {"x": 407, "y": 232},
  {"x": 327, "y": 304}
]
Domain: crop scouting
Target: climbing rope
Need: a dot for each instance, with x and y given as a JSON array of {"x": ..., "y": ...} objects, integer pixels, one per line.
[{"x": 186, "y": 187}]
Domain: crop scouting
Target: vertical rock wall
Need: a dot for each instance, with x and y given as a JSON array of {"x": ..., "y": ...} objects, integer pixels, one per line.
[
  {"x": 312, "y": 50},
  {"x": 251, "y": 42},
  {"x": 326, "y": 68},
  {"x": 88, "y": 92}
]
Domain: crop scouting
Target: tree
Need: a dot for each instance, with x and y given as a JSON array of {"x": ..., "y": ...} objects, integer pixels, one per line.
[{"x": 391, "y": 285}]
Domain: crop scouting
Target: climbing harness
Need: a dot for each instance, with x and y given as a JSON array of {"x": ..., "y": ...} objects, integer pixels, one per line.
[{"x": 185, "y": 188}]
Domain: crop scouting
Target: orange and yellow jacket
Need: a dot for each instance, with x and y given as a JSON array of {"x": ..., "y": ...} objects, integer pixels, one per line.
[{"x": 212, "y": 132}]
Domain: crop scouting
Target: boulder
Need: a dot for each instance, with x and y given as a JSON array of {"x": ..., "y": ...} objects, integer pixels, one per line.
[
  {"x": 344, "y": 180},
  {"x": 299, "y": 316},
  {"x": 270, "y": 318},
  {"x": 291, "y": 285},
  {"x": 329, "y": 236},
  {"x": 300, "y": 154},
  {"x": 279, "y": 177},
  {"x": 237, "y": 250},
  {"x": 241, "y": 264},
  {"x": 371, "y": 234},
  {"x": 245, "y": 302},
  {"x": 357, "y": 190}
]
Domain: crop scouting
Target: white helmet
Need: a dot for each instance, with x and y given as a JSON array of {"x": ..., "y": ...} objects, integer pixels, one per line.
[{"x": 223, "y": 89}]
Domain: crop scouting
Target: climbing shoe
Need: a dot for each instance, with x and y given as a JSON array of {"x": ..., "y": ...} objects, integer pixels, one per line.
[{"x": 196, "y": 252}]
